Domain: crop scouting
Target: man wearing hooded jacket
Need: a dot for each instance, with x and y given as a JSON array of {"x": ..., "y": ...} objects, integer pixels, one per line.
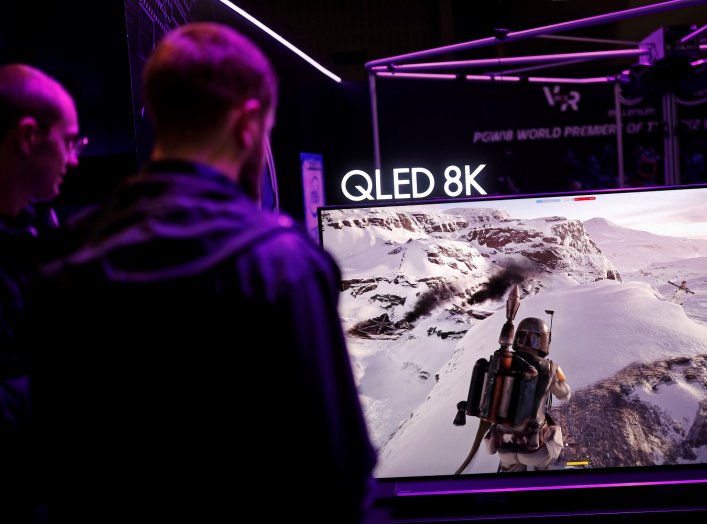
[{"x": 198, "y": 363}]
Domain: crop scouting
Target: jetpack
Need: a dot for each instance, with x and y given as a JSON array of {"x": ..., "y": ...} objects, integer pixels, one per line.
[
  {"x": 509, "y": 388},
  {"x": 486, "y": 389}
]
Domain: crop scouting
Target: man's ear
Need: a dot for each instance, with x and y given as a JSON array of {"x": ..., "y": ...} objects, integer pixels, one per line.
[
  {"x": 250, "y": 123},
  {"x": 27, "y": 129}
]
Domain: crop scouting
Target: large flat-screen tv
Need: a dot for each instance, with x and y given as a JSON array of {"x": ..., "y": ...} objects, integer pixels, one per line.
[{"x": 621, "y": 277}]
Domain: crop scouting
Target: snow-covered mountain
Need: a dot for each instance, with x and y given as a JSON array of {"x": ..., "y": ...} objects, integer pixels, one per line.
[
  {"x": 631, "y": 250},
  {"x": 408, "y": 279},
  {"x": 658, "y": 260},
  {"x": 421, "y": 300},
  {"x": 659, "y": 409},
  {"x": 599, "y": 329}
]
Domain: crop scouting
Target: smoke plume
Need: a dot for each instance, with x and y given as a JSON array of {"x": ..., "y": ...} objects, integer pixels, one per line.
[
  {"x": 427, "y": 302},
  {"x": 498, "y": 284},
  {"x": 496, "y": 287}
]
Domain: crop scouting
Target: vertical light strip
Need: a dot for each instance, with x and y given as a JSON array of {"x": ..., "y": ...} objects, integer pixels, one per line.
[{"x": 284, "y": 42}]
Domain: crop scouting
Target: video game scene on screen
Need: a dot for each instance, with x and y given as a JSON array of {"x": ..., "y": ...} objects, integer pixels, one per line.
[{"x": 611, "y": 316}]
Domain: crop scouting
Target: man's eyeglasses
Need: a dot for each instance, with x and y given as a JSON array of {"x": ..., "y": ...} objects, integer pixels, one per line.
[{"x": 76, "y": 144}]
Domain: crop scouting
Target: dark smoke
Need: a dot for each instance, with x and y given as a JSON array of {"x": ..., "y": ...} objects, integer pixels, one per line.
[
  {"x": 427, "y": 302},
  {"x": 499, "y": 283},
  {"x": 496, "y": 287}
]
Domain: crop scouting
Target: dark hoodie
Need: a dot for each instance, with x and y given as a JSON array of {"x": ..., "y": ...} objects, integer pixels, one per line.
[
  {"x": 193, "y": 348},
  {"x": 21, "y": 249},
  {"x": 20, "y": 252}
]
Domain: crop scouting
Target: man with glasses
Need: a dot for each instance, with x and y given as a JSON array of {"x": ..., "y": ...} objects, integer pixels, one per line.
[{"x": 39, "y": 143}]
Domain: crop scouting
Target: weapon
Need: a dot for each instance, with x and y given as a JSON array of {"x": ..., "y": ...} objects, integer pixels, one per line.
[
  {"x": 684, "y": 288},
  {"x": 487, "y": 395}
]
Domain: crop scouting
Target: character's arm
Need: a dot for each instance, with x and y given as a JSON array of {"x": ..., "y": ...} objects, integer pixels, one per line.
[{"x": 559, "y": 387}]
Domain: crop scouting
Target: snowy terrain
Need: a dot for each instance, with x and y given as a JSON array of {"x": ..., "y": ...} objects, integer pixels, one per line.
[
  {"x": 412, "y": 307},
  {"x": 599, "y": 329},
  {"x": 658, "y": 260}
]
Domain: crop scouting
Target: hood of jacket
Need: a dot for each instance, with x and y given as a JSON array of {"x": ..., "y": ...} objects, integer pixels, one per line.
[{"x": 173, "y": 219}]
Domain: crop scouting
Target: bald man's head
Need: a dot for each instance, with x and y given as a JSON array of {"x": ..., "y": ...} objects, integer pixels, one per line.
[{"x": 26, "y": 91}]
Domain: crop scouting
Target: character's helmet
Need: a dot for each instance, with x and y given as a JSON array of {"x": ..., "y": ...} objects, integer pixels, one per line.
[{"x": 532, "y": 333}]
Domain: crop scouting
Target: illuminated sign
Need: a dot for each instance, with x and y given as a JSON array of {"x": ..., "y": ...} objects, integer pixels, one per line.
[{"x": 410, "y": 182}]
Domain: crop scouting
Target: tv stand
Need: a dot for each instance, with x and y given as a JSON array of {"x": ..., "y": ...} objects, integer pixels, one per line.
[{"x": 624, "y": 497}]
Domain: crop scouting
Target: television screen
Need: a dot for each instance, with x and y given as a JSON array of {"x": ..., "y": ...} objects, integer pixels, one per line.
[{"x": 619, "y": 278}]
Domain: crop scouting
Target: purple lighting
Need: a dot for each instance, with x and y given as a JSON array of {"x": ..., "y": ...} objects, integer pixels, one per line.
[
  {"x": 495, "y": 78},
  {"x": 430, "y": 76},
  {"x": 403, "y": 493},
  {"x": 532, "y": 59},
  {"x": 280, "y": 39},
  {"x": 693, "y": 34},
  {"x": 554, "y": 28},
  {"x": 553, "y": 80},
  {"x": 502, "y": 78}
]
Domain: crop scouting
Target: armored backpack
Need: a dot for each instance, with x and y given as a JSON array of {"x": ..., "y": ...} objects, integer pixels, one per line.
[{"x": 508, "y": 389}]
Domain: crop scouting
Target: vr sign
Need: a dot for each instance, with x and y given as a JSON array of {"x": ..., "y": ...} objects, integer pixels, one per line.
[{"x": 410, "y": 182}]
